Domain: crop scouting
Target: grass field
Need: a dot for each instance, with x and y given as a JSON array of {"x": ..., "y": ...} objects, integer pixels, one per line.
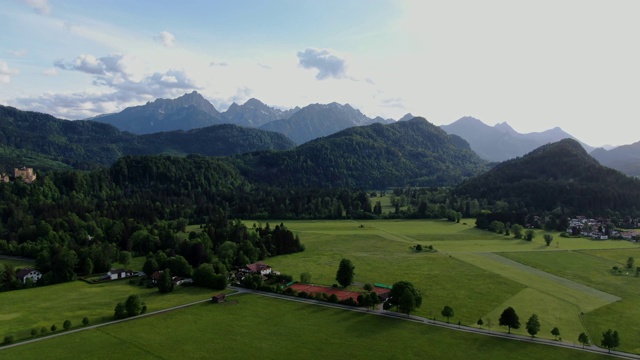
[
  {"x": 466, "y": 274},
  {"x": 477, "y": 273},
  {"x": 276, "y": 329},
  {"x": 591, "y": 267},
  {"x": 24, "y": 310}
]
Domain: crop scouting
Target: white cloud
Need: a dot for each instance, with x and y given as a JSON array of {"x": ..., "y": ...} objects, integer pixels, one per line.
[
  {"x": 109, "y": 72},
  {"x": 51, "y": 72},
  {"x": 327, "y": 64},
  {"x": 166, "y": 38},
  {"x": 42, "y": 7},
  {"x": 85, "y": 63},
  {"x": 6, "y": 73}
]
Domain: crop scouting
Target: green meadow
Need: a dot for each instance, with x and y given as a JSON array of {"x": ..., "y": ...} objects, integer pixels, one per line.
[
  {"x": 478, "y": 273},
  {"x": 24, "y": 310},
  {"x": 248, "y": 326}
]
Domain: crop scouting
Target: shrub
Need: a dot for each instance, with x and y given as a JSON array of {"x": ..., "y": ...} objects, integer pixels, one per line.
[
  {"x": 8, "y": 339},
  {"x": 333, "y": 298},
  {"x": 66, "y": 325},
  {"x": 85, "y": 321},
  {"x": 349, "y": 301},
  {"x": 54, "y": 328},
  {"x": 303, "y": 294}
]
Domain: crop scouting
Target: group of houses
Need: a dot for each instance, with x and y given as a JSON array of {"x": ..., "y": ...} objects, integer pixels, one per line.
[
  {"x": 26, "y": 174},
  {"x": 598, "y": 229}
]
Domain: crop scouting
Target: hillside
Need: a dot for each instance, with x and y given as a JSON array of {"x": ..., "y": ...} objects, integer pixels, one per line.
[
  {"x": 560, "y": 174},
  {"x": 624, "y": 158},
  {"x": 43, "y": 141},
  {"x": 217, "y": 140},
  {"x": 501, "y": 142},
  {"x": 413, "y": 152}
]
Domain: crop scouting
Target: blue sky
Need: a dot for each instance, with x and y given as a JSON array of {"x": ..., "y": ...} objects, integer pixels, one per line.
[{"x": 535, "y": 65}]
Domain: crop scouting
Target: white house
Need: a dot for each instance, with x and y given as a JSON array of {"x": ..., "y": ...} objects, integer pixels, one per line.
[
  {"x": 115, "y": 274},
  {"x": 28, "y": 273}
]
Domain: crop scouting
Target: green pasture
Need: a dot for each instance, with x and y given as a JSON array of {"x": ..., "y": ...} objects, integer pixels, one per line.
[
  {"x": 24, "y": 310},
  {"x": 592, "y": 268},
  {"x": 269, "y": 328},
  {"x": 465, "y": 273},
  {"x": 476, "y": 272}
]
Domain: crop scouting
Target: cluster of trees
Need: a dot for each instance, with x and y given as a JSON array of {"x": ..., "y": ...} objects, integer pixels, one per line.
[{"x": 133, "y": 306}]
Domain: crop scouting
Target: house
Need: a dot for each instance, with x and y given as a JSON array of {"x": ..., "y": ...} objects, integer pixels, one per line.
[
  {"x": 155, "y": 276},
  {"x": 26, "y": 174},
  {"x": 219, "y": 298},
  {"x": 115, "y": 274},
  {"x": 4, "y": 178},
  {"x": 258, "y": 268},
  {"x": 28, "y": 273}
]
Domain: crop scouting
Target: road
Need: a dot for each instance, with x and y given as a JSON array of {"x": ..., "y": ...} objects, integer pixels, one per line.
[{"x": 417, "y": 319}]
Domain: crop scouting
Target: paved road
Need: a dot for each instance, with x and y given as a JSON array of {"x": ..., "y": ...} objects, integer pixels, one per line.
[{"x": 417, "y": 319}]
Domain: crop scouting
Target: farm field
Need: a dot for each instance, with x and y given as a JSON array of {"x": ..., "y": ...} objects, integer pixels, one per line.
[
  {"x": 477, "y": 273},
  {"x": 466, "y": 273},
  {"x": 248, "y": 325},
  {"x": 592, "y": 268}
]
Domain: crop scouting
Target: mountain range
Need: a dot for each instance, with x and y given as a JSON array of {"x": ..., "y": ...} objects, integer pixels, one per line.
[
  {"x": 182, "y": 126},
  {"x": 191, "y": 111},
  {"x": 404, "y": 153}
]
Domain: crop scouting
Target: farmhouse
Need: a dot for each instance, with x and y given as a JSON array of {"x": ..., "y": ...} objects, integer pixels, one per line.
[
  {"x": 258, "y": 268},
  {"x": 28, "y": 273}
]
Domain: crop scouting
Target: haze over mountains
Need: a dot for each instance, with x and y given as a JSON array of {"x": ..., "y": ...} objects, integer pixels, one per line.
[{"x": 501, "y": 142}]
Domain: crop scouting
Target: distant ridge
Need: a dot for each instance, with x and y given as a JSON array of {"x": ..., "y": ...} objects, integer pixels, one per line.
[
  {"x": 501, "y": 142},
  {"x": 624, "y": 158},
  {"x": 317, "y": 120}
]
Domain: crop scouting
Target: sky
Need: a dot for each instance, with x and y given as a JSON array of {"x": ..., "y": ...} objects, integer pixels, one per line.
[{"x": 573, "y": 64}]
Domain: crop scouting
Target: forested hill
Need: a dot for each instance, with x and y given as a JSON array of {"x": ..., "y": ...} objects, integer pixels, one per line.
[
  {"x": 560, "y": 174},
  {"x": 217, "y": 140},
  {"x": 413, "y": 152},
  {"x": 48, "y": 142}
]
